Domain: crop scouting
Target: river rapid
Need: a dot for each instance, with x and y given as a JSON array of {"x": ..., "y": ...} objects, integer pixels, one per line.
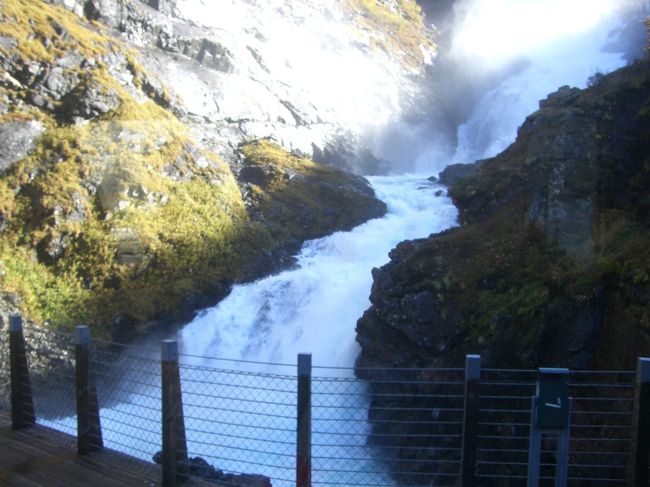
[{"x": 313, "y": 308}]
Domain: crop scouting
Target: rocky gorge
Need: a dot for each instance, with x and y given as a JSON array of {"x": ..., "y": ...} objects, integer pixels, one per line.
[
  {"x": 550, "y": 257},
  {"x": 156, "y": 154},
  {"x": 149, "y": 160},
  {"x": 549, "y": 266}
]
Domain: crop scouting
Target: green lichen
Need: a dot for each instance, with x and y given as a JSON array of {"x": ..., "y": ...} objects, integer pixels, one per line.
[
  {"x": 299, "y": 198},
  {"x": 45, "y": 32},
  {"x": 401, "y": 32}
]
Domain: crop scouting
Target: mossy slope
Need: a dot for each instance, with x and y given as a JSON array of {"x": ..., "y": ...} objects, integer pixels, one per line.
[
  {"x": 397, "y": 27},
  {"x": 299, "y": 199},
  {"x": 116, "y": 217}
]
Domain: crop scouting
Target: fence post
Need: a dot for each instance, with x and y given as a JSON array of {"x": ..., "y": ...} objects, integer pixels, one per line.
[
  {"x": 640, "y": 451},
  {"x": 174, "y": 445},
  {"x": 470, "y": 419},
  {"x": 22, "y": 402},
  {"x": 303, "y": 439},
  {"x": 89, "y": 429}
]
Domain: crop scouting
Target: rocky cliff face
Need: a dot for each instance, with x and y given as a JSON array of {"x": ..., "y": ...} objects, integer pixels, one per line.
[
  {"x": 118, "y": 201},
  {"x": 551, "y": 265},
  {"x": 316, "y": 76}
]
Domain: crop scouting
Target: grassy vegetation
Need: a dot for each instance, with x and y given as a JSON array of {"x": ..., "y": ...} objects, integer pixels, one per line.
[
  {"x": 299, "y": 198},
  {"x": 46, "y": 32},
  {"x": 191, "y": 229},
  {"x": 124, "y": 215},
  {"x": 400, "y": 32}
]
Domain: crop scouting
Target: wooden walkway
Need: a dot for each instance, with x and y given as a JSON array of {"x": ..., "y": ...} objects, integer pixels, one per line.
[
  {"x": 43, "y": 457},
  {"x": 40, "y": 456}
]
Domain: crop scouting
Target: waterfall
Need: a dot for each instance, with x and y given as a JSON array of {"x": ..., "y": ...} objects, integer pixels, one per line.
[
  {"x": 569, "y": 44},
  {"x": 314, "y": 307}
]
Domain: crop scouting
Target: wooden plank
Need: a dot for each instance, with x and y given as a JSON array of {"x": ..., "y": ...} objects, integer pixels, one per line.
[
  {"x": 49, "y": 465},
  {"x": 43, "y": 457},
  {"x": 115, "y": 469},
  {"x": 36, "y": 456},
  {"x": 18, "y": 481}
]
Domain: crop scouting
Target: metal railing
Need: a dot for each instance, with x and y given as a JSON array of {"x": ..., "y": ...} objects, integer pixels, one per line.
[{"x": 245, "y": 423}]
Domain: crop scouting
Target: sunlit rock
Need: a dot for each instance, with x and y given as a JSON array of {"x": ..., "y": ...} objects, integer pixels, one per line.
[{"x": 18, "y": 140}]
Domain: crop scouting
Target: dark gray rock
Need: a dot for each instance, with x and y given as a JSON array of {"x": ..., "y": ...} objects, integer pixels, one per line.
[
  {"x": 42, "y": 102},
  {"x": 198, "y": 467},
  {"x": 215, "y": 56},
  {"x": 52, "y": 247},
  {"x": 92, "y": 10},
  {"x": 563, "y": 96},
  {"x": 258, "y": 175},
  {"x": 18, "y": 140},
  {"x": 111, "y": 191},
  {"x": 77, "y": 213},
  {"x": 455, "y": 172},
  {"x": 106, "y": 11},
  {"x": 348, "y": 152},
  {"x": 4, "y": 105},
  {"x": 7, "y": 42},
  {"x": 27, "y": 74},
  {"x": 165, "y": 6},
  {"x": 88, "y": 101},
  {"x": 60, "y": 82}
]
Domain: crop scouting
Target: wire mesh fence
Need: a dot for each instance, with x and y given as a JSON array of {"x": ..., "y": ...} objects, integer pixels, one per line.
[
  {"x": 128, "y": 392},
  {"x": 416, "y": 419},
  {"x": 240, "y": 421},
  {"x": 369, "y": 427},
  {"x": 52, "y": 376},
  {"x": 600, "y": 428}
]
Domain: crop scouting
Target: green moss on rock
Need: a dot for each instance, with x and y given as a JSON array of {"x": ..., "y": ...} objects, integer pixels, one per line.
[
  {"x": 116, "y": 217},
  {"x": 297, "y": 198},
  {"x": 400, "y": 31},
  {"x": 551, "y": 264}
]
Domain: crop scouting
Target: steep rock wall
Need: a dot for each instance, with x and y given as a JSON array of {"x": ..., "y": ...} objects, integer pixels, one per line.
[
  {"x": 551, "y": 266},
  {"x": 319, "y": 77},
  {"x": 112, "y": 212}
]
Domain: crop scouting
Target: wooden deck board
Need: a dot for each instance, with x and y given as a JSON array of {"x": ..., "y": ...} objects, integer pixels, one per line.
[
  {"x": 43, "y": 457},
  {"x": 61, "y": 464},
  {"x": 40, "y": 456}
]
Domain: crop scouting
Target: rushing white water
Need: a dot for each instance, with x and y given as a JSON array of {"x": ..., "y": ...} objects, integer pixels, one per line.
[
  {"x": 490, "y": 131},
  {"x": 558, "y": 43},
  {"x": 314, "y": 308}
]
